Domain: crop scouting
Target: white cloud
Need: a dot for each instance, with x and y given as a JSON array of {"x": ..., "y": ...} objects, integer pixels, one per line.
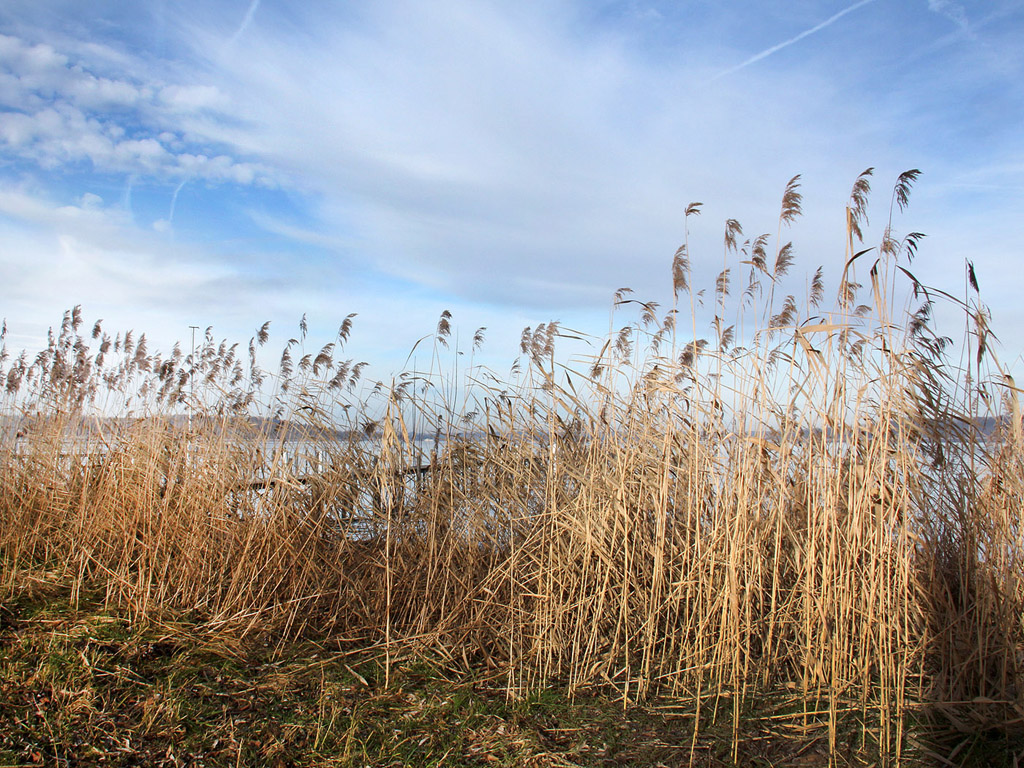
[
  {"x": 62, "y": 114},
  {"x": 193, "y": 98},
  {"x": 62, "y": 255},
  {"x": 89, "y": 253},
  {"x": 37, "y": 74}
]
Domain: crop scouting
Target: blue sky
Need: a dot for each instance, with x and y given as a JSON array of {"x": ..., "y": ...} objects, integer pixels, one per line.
[{"x": 225, "y": 162}]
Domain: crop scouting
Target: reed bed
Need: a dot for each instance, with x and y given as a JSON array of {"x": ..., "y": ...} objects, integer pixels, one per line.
[{"x": 815, "y": 508}]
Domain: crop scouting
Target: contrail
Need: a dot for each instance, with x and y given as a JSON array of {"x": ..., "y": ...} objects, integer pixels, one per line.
[
  {"x": 807, "y": 32},
  {"x": 126, "y": 200},
  {"x": 174, "y": 201},
  {"x": 954, "y": 12},
  {"x": 253, "y": 6}
]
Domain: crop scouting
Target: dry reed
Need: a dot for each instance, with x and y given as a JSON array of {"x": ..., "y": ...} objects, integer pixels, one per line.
[{"x": 807, "y": 508}]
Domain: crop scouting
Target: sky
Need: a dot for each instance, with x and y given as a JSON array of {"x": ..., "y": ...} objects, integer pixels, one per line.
[{"x": 226, "y": 162}]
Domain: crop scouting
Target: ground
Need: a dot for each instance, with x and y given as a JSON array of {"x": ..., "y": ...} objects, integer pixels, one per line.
[{"x": 82, "y": 684}]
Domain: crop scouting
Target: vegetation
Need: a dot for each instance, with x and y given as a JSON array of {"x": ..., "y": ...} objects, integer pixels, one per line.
[{"x": 796, "y": 539}]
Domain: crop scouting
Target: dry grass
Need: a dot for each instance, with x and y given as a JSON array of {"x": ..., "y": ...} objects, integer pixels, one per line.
[{"x": 803, "y": 511}]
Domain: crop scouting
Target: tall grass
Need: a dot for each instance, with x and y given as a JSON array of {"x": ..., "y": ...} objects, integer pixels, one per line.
[{"x": 809, "y": 506}]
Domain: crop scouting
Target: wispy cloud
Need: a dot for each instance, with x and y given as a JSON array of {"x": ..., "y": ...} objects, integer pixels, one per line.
[{"x": 806, "y": 33}]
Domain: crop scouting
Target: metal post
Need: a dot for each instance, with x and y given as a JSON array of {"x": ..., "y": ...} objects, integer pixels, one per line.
[{"x": 192, "y": 391}]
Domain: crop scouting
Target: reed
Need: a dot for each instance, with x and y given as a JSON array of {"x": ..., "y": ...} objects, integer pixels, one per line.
[{"x": 811, "y": 509}]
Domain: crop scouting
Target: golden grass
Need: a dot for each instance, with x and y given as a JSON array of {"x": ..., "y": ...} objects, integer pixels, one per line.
[{"x": 816, "y": 516}]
